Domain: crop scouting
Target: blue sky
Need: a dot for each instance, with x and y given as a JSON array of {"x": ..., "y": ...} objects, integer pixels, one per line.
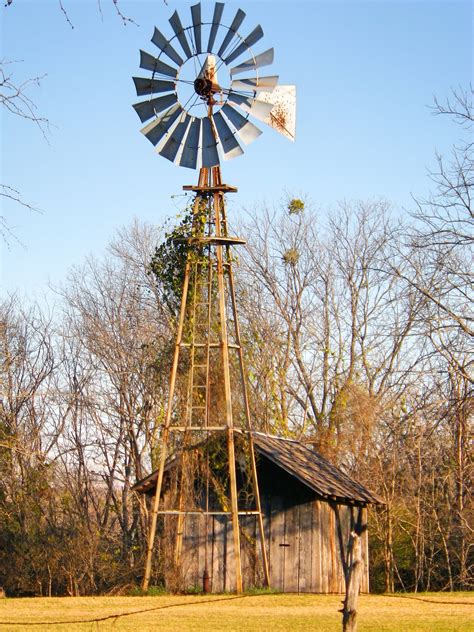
[{"x": 365, "y": 72}]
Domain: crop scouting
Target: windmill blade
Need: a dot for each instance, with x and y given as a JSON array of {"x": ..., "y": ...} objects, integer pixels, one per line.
[
  {"x": 247, "y": 43},
  {"x": 147, "y": 109},
  {"x": 227, "y": 139},
  {"x": 163, "y": 44},
  {"x": 245, "y": 129},
  {"x": 216, "y": 20},
  {"x": 264, "y": 59},
  {"x": 196, "y": 17},
  {"x": 157, "y": 129},
  {"x": 191, "y": 145},
  {"x": 283, "y": 113},
  {"x": 148, "y": 62},
  {"x": 257, "y": 84},
  {"x": 151, "y": 86},
  {"x": 180, "y": 34},
  {"x": 209, "y": 155},
  {"x": 175, "y": 140},
  {"x": 259, "y": 109},
  {"x": 236, "y": 22}
]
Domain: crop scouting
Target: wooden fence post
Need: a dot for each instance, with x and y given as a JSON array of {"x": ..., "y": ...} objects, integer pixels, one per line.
[{"x": 353, "y": 575}]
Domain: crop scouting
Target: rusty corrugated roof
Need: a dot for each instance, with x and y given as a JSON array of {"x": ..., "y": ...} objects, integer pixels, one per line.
[
  {"x": 312, "y": 469},
  {"x": 309, "y": 467}
]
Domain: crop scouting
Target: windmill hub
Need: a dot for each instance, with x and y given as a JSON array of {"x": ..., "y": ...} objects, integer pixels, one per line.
[
  {"x": 206, "y": 85},
  {"x": 203, "y": 87}
]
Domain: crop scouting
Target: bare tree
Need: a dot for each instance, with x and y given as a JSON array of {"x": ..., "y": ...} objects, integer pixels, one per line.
[
  {"x": 442, "y": 269},
  {"x": 120, "y": 337},
  {"x": 337, "y": 322},
  {"x": 15, "y": 98}
]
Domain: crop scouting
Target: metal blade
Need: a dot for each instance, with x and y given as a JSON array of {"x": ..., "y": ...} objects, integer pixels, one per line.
[
  {"x": 180, "y": 34},
  {"x": 247, "y": 43},
  {"x": 236, "y": 22},
  {"x": 259, "y": 109},
  {"x": 148, "y": 109},
  {"x": 216, "y": 20},
  {"x": 148, "y": 62},
  {"x": 191, "y": 145},
  {"x": 264, "y": 59},
  {"x": 283, "y": 114},
  {"x": 227, "y": 139},
  {"x": 246, "y": 130},
  {"x": 172, "y": 145},
  {"x": 196, "y": 17},
  {"x": 257, "y": 84},
  {"x": 150, "y": 86},
  {"x": 209, "y": 157},
  {"x": 157, "y": 129},
  {"x": 163, "y": 44}
]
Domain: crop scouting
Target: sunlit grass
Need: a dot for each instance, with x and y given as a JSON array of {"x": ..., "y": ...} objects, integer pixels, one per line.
[{"x": 433, "y": 612}]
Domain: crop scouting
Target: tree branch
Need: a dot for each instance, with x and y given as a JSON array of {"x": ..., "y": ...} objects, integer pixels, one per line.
[
  {"x": 125, "y": 19},
  {"x": 14, "y": 98}
]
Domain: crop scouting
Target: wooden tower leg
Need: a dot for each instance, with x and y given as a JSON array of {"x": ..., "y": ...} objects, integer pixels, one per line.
[
  {"x": 227, "y": 396},
  {"x": 188, "y": 421},
  {"x": 253, "y": 464},
  {"x": 243, "y": 377},
  {"x": 165, "y": 436}
]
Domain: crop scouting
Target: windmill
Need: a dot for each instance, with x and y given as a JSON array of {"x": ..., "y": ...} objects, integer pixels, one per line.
[{"x": 204, "y": 91}]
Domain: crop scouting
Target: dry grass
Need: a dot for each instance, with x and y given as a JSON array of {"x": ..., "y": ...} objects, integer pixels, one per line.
[{"x": 378, "y": 613}]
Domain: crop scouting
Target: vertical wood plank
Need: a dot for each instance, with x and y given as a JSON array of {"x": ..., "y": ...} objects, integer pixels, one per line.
[
  {"x": 249, "y": 549},
  {"x": 256, "y": 562},
  {"x": 316, "y": 547},
  {"x": 290, "y": 549},
  {"x": 365, "y": 585},
  {"x": 325, "y": 553},
  {"x": 335, "y": 554},
  {"x": 245, "y": 553},
  {"x": 341, "y": 549},
  {"x": 214, "y": 561},
  {"x": 331, "y": 548},
  {"x": 225, "y": 529},
  {"x": 185, "y": 552},
  {"x": 230, "y": 557},
  {"x": 201, "y": 552},
  {"x": 305, "y": 548},
  {"x": 194, "y": 553},
  {"x": 267, "y": 527},
  {"x": 218, "y": 548},
  {"x": 277, "y": 537}
]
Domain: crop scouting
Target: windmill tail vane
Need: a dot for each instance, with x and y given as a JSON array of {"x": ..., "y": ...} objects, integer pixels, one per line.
[{"x": 203, "y": 95}]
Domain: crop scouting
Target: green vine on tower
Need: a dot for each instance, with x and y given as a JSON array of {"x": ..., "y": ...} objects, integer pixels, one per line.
[{"x": 168, "y": 262}]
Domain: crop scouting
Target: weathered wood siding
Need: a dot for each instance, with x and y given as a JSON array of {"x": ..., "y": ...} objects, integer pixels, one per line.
[
  {"x": 303, "y": 541},
  {"x": 306, "y": 539}
]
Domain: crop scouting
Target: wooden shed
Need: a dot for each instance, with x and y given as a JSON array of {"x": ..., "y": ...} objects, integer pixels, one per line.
[{"x": 309, "y": 507}]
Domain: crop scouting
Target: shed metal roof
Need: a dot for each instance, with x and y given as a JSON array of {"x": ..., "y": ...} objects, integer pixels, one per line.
[
  {"x": 306, "y": 465},
  {"x": 312, "y": 469}
]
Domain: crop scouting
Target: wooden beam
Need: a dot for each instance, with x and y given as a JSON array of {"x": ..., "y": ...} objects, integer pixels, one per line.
[
  {"x": 227, "y": 392},
  {"x": 211, "y": 189},
  {"x": 159, "y": 481},
  {"x": 253, "y": 464}
]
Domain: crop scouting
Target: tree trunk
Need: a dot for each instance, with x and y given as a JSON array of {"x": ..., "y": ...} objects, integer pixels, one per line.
[{"x": 353, "y": 579}]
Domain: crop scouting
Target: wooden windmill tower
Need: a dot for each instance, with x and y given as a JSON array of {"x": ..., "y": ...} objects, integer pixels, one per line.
[{"x": 208, "y": 341}]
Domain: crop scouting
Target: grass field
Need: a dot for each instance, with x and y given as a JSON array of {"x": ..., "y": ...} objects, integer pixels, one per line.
[{"x": 427, "y": 612}]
